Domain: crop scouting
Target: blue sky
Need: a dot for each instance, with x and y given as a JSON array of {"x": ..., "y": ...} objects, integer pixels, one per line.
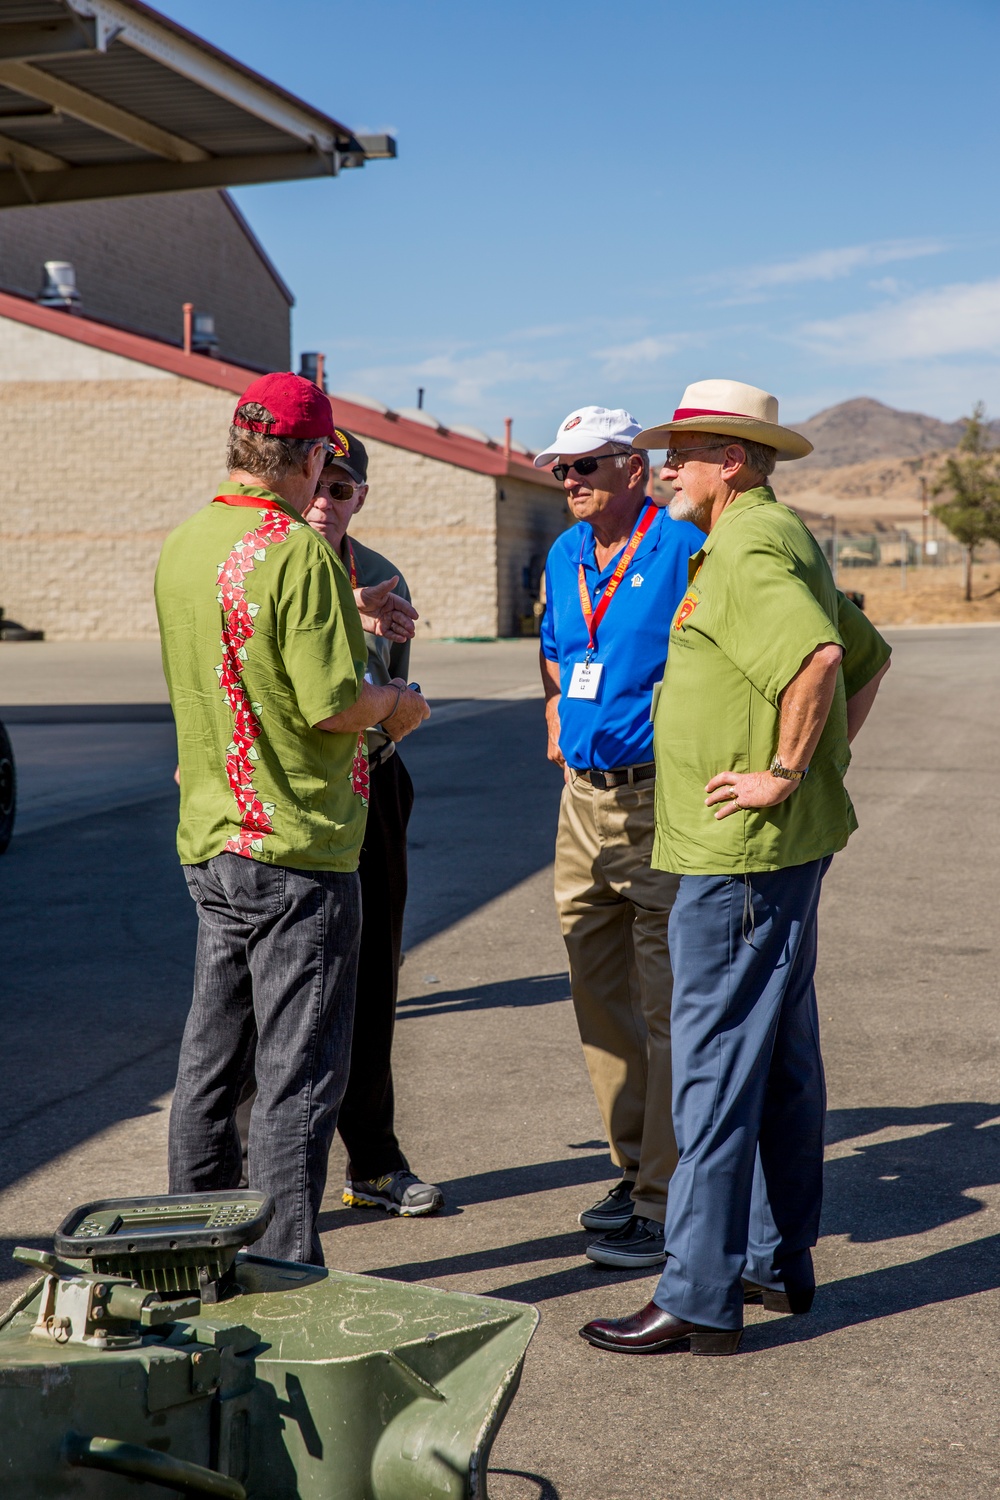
[{"x": 597, "y": 203}]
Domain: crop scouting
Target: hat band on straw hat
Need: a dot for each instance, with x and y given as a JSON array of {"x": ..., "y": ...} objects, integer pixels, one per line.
[{"x": 684, "y": 413}]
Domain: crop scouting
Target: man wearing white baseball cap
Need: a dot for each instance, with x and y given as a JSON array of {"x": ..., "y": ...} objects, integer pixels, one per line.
[
  {"x": 612, "y": 584},
  {"x": 770, "y": 675}
]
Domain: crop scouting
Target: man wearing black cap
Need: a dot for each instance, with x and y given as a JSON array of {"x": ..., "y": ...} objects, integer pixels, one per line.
[{"x": 378, "y": 1174}]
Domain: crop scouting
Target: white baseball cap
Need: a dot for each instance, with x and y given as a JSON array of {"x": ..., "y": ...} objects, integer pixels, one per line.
[{"x": 590, "y": 427}]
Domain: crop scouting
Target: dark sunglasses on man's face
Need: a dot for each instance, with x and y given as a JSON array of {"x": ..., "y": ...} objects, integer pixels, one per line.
[
  {"x": 582, "y": 466},
  {"x": 339, "y": 490}
]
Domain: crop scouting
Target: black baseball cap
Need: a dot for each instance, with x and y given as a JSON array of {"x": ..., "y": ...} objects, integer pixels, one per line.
[{"x": 354, "y": 457}]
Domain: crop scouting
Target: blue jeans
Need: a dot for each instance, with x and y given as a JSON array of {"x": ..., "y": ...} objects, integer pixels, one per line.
[
  {"x": 274, "y": 978},
  {"x": 749, "y": 1095}
]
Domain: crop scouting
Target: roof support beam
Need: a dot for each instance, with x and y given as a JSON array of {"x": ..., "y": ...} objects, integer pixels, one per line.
[
  {"x": 141, "y": 28},
  {"x": 121, "y": 179},
  {"x": 37, "y": 84},
  {"x": 24, "y": 40},
  {"x": 29, "y": 158}
]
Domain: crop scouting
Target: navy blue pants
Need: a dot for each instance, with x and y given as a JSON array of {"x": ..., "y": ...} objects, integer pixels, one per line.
[{"x": 749, "y": 1095}]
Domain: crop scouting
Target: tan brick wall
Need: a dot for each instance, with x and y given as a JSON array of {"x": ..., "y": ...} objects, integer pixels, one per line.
[
  {"x": 437, "y": 524},
  {"x": 529, "y": 518},
  {"x": 95, "y": 474},
  {"x": 97, "y": 471},
  {"x": 139, "y": 259}
]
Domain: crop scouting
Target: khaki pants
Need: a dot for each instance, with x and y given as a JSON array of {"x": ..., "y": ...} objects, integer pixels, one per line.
[{"x": 613, "y": 910}]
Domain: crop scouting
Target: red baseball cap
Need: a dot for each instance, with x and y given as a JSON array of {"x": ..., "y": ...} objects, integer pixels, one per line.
[{"x": 300, "y": 408}]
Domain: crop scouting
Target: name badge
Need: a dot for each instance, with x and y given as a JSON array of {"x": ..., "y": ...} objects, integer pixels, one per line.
[{"x": 586, "y": 679}]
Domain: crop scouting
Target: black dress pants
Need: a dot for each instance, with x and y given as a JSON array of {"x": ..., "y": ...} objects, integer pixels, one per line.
[{"x": 366, "y": 1119}]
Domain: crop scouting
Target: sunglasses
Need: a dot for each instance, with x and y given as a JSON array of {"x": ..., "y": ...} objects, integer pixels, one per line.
[
  {"x": 338, "y": 489},
  {"x": 583, "y": 466},
  {"x": 674, "y": 457}
]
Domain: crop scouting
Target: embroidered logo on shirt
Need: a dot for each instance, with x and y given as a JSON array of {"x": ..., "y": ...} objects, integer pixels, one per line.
[
  {"x": 637, "y": 581},
  {"x": 237, "y": 630},
  {"x": 687, "y": 608}
]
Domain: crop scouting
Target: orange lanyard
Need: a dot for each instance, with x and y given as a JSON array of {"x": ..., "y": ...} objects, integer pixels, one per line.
[{"x": 592, "y": 616}]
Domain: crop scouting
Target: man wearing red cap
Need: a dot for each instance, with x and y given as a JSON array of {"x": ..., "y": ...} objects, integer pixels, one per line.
[{"x": 264, "y": 656}]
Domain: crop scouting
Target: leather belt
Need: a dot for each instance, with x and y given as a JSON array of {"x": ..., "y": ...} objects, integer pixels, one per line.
[{"x": 623, "y": 776}]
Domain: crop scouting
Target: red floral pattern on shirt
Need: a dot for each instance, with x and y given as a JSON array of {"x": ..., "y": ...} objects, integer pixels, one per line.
[{"x": 237, "y": 630}]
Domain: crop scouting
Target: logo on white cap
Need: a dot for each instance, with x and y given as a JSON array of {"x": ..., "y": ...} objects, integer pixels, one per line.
[{"x": 591, "y": 427}]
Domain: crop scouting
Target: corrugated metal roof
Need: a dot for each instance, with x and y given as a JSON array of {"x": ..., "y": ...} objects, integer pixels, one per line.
[{"x": 100, "y": 98}]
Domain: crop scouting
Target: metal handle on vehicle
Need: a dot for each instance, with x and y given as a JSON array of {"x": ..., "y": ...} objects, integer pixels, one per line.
[{"x": 135, "y": 1462}]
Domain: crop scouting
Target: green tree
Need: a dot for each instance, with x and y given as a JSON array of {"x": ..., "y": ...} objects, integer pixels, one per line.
[{"x": 971, "y": 480}]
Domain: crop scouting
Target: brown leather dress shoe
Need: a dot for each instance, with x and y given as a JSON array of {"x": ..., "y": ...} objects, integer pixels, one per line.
[{"x": 651, "y": 1330}]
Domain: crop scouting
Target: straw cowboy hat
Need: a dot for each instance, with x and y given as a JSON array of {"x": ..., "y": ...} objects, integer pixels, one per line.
[{"x": 728, "y": 407}]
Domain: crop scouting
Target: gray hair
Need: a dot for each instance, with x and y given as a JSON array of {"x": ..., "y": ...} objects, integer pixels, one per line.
[
  {"x": 758, "y": 457},
  {"x": 260, "y": 454},
  {"x": 624, "y": 453}
]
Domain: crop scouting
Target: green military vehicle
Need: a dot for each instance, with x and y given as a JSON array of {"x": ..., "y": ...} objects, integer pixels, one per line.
[{"x": 153, "y": 1350}]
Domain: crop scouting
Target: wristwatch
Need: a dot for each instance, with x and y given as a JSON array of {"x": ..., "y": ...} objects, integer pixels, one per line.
[{"x": 785, "y": 772}]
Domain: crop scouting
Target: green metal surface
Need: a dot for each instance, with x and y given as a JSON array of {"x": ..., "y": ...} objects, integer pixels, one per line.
[{"x": 308, "y": 1385}]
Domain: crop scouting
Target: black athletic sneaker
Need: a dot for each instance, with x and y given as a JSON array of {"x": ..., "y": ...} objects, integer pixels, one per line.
[
  {"x": 638, "y": 1243},
  {"x": 397, "y": 1192},
  {"x": 613, "y": 1212}
]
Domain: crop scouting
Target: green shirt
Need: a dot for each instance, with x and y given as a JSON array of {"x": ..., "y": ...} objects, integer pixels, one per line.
[
  {"x": 760, "y": 599},
  {"x": 261, "y": 641}
]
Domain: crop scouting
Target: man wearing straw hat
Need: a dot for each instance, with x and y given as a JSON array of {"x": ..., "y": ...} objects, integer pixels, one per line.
[{"x": 769, "y": 676}]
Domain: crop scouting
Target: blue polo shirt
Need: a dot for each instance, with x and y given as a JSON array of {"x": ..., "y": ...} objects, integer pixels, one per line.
[{"x": 614, "y": 729}]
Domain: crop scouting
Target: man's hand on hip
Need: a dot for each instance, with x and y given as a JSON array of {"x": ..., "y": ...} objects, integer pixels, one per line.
[
  {"x": 385, "y": 613},
  {"x": 731, "y": 792},
  {"x": 412, "y": 709}
]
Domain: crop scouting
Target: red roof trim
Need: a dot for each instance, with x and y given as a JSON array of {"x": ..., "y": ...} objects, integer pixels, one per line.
[{"x": 400, "y": 432}]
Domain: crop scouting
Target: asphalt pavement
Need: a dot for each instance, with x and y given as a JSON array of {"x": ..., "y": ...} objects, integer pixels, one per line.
[{"x": 888, "y": 1389}]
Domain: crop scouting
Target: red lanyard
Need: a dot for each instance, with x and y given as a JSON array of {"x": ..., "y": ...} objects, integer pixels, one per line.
[
  {"x": 592, "y": 616},
  {"x": 352, "y": 570}
]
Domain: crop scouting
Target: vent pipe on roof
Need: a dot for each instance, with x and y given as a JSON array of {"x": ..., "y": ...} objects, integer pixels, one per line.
[
  {"x": 312, "y": 367},
  {"x": 203, "y": 338},
  {"x": 508, "y": 423},
  {"x": 59, "y": 286}
]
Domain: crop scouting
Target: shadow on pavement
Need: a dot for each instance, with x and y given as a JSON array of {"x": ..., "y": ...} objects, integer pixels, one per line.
[
  {"x": 546, "y": 1489},
  {"x": 99, "y": 930},
  {"x": 582, "y": 1277},
  {"x": 485, "y": 813},
  {"x": 926, "y": 1177},
  {"x": 506, "y": 1182},
  {"x": 538, "y": 989},
  {"x": 960, "y": 1272}
]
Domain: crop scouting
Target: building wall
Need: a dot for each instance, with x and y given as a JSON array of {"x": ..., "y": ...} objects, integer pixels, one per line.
[
  {"x": 138, "y": 260},
  {"x": 104, "y": 456},
  {"x": 437, "y": 524},
  {"x": 529, "y": 518},
  {"x": 95, "y": 474}
]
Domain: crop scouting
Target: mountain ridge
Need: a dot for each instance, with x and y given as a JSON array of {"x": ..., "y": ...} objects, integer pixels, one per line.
[{"x": 863, "y": 429}]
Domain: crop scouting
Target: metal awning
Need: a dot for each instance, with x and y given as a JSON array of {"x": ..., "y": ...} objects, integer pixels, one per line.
[{"x": 101, "y": 98}]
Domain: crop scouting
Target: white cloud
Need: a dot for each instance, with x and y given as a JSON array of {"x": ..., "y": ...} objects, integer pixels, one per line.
[
  {"x": 623, "y": 360},
  {"x": 823, "y": 265},
  {"x": 959, "y": 319},
  {"x": 458, "y": 380}
]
